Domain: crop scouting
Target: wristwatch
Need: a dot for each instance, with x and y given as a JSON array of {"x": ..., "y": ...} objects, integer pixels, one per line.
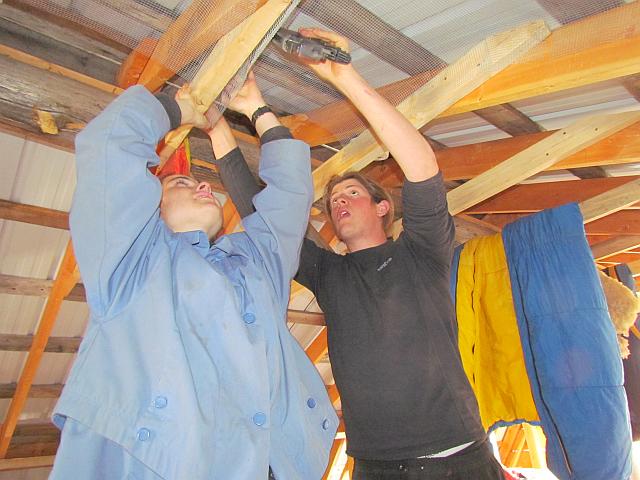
[{"x": 258, "y": 113}]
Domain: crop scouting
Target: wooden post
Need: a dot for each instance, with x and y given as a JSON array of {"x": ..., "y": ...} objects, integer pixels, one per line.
[{"x": 68, "y": 276}]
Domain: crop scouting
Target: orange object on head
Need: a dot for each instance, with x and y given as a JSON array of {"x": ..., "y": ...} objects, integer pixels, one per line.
[{"x": 179, "y": 163}]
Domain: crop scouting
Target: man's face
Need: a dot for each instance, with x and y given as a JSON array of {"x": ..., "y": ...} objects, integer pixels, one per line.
[
  {"x": 354, "y": 213},
  {"x": 189, "y": 205}
]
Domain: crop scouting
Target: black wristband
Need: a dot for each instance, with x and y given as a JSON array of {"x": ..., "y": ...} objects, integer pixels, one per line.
[{"x": 259, "y": 112}]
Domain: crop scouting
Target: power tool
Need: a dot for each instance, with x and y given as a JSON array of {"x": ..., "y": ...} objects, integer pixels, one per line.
[{"x": 313, "y": 48}]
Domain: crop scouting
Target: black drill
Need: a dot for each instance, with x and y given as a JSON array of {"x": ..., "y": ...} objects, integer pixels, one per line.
[{"x": 313, "y": 48}]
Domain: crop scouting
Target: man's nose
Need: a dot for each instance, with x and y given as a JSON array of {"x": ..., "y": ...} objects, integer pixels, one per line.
[{"x": 204, "y": 187}]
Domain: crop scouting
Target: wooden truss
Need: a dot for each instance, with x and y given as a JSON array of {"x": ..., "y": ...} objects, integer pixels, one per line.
[{"x": 492, "y": 170}]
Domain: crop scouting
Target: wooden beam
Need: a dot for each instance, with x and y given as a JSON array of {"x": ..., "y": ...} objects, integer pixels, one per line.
[
  {"x": 68, "y": 275},
  {"x": 305, "y": 318},
  {"x": 65, "y": 47},
  {"x": 443, "y": 90},
  {"x": 528, "y": 198},
  {"x": 509, "y": 119},
  {"x": 624, "y": 222},
  {"x": 318, "y": 348},
  {"x": 611, "y": 201},
  {"x": 572, "y": 56},
  {"x": 534, "y": 159},
  {"x": 45, "y": 217},
  {"x": 468, "y": 227},
  {"x": 461, "y": 163},
  {"x": 614, "y": 246},
  {"x": 627, "y": 257},
  {"x": 8, "y": 464},
  {"x": 337, "y": 447},
  {"x": 8, "y": 390},
  {"x": 15, "y": 285},
  {"x": 23, "y": 343},
  {"x": 225, "y": 60},
  {"x": 201, "y": 25}
]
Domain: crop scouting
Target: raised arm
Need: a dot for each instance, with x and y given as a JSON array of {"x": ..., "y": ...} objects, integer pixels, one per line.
[
  {"x": 115, "y": 205},
  {"x": 408, "y": 147},
  {"x": 282, "y": 208}
]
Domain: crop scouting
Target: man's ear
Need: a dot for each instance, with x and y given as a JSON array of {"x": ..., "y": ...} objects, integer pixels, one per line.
[{"x": 382, "y": 208}]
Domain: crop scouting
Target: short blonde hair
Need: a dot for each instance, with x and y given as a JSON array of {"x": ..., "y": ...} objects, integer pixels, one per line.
[{"x": 378, "y": 193}]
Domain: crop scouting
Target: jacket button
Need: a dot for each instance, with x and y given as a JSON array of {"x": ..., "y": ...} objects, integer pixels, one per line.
[
  {"x": 249, "y": 318},
  {"x": 144, "y": 434},
  {"x": 325, "y": 424},
  {"x": 259, "y": 419},
  {"x": 311, "y": 403},
  {"x": 160, "y": 402}
]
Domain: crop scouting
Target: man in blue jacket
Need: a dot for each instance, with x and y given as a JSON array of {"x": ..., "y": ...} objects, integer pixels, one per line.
[{"x": 187, "y": 369}]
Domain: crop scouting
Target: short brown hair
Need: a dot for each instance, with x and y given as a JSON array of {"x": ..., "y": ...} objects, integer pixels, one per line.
[{"x": 378, "y": 193}]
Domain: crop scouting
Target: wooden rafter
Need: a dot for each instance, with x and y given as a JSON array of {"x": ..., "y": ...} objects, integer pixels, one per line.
[
  {"x": 198, "y": 27},
  {"x": 581, "y": 59},
  {"x": 68, "y": 276},
  {"x": 22, "y": 343},
  {"x": 9, "y": 464},
  {"x": 528, "y": 198},
  {"x": 611, "y": 201},
  {"x": 438, "y": 94},
  {"x": 225, "y": 60},
  {"x": 613, "y": 246},
  {"x": 534, "y": 159}
]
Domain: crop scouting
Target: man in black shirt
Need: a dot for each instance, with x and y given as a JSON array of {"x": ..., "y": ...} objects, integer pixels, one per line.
[{"x": 408, "y": 408}]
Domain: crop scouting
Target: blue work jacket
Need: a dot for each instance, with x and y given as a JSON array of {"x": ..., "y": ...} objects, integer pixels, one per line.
[{"x": 187, "y": 362}]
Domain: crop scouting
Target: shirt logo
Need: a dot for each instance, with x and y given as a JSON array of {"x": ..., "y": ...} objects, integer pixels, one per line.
[{"x": 386, "y": 262}]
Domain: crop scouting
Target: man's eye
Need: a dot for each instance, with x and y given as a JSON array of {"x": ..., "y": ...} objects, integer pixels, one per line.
[{"x": 354, "y": 192}]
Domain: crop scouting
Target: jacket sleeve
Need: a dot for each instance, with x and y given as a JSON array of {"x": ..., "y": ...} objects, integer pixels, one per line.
[
  {"x": 428, "y": 226},
  {"x": 282, "y": 210},
  {"x": 238, "y": 180},
  {"x": 115, "y": 205}
]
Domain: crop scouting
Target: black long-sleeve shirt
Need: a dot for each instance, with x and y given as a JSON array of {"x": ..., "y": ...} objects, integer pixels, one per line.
[{"x": 391, "y": 329}]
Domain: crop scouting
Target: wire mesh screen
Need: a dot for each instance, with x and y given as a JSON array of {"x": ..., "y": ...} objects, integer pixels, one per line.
[{"x": 397, "y": 45}]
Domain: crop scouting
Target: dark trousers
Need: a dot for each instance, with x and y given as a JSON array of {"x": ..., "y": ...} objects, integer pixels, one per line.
[{"x": 473, "y": 463}]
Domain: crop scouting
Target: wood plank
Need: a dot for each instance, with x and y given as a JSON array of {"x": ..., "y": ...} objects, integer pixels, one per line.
[
  {"x": 34, "y": 215},
  {"x": 611, "y": 201},
  {"x": 23, "y": 343},
  {"x": 64, "y": 47},
  {"x": 461, "y": 163},
  {"x": 536, "y": 442},
  {"x": 611, "y": 247},
  {"x": 9, "y": 464},
  {"x": 7, "y": 390},
  {"x": 337, "y": 447},
  {"x": 534, "y": 159},
  {"x": 15, "y": 285},
  {"x": 68, "y": 275},
  {"x": 317, "y": 349},
  {"x": 305, "y": 318},
  {"x": 627, "y": 257},
  {"x": 624, "y": 222},
  {"x": 225, "y": 60},
  {"x": 572, "y": 56},
  {"x": 509, "y": 119},
  {"x": 534, "y": 197},
  {"x": 443, "y": 90},
  {"x": 201, "y": 25}
]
